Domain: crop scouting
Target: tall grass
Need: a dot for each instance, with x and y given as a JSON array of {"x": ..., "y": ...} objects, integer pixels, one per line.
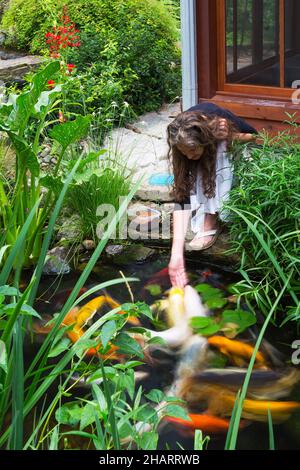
[
  {"x": 14, "y": 380},
  {"x": 264, "y": 224}
]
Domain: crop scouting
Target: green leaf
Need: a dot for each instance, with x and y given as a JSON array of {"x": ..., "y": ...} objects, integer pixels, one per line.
[
  {"x": 176, "y": 411},
  {"x": 54, "y": 183},
  {"x": 25, "y": 154},
  {"x": 69, "y": 414},
  {"x": 174, "y": 399},
  {"x": 129, "y": 382},
  {"x": 100, "y": 397},
  {"x": 25, "y": 102},
  {"x": 125, "y": 430},
  {"x": 209, "y": 330},
  {"x": 110, "y": 373},
  {"x": 157, "y": 340},
  {"x": 144, "y": 309},
  {"x": 207, "y": 292},
  {"x": 213, "y": 303},
  {"x": 70, "y": 132},
  {"x": 3, "y": 356},
  {"x": 146, "y": 414},
  {"x": 25, "y": 310},
  {"x": 201, "y": 322},
  {"x": 155, "y": 395},
  {"x": 9, "y": 291},
  {"x": 87, "y": 416},
  {"x": 244, "y": 319},
  {"x": 46, "y": 99},
  {"x": 128, "y": 345},
  {"x": 154, "y": 289},
  {"x": 149, "y": 440},
  {"x": 107, "y": 332},
  {"x": 61, "y": 347},
  {"x": 128, "y": 365}
]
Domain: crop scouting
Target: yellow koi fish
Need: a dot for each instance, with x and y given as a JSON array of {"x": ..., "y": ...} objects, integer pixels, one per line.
[{"x": 236, "y": 350}]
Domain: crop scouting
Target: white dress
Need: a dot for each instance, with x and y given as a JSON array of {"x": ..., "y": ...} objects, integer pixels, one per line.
[{"x": 200, "y": 203}]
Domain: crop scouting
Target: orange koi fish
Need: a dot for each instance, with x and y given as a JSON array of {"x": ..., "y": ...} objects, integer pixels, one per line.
[
  {"x": 79, "y": 317},
  {"x": 207, "y": 423},
  {"x": 236, "y": 350}
]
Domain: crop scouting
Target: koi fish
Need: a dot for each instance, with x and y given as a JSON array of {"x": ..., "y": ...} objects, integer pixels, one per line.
[
  {"x": 79, "y": 317},
  {"x": 207, "y": 423},
  {"x": 193, "y": 356},
  {"x": 263, "y": 384},
  {"x": 258, "y": 410},
  {"x": 184, "y": 304},
  {"x": 173, "y": 306},
  {"x": 219, "y": 400},
  {"x": 193, "y": 304},
  {"x": 236, "y": 350}
]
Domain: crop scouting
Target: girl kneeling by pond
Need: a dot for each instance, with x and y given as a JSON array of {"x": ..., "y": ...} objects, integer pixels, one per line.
[{"x": 198, "y": 140}]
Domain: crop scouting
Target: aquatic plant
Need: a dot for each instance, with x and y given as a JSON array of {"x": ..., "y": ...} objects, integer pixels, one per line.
[
  {"x": 24, "y": 119},
  {"x": 233, "y": 431},
  {"x": 264, "y": 224},
  {"x": 21, "y": 389}
]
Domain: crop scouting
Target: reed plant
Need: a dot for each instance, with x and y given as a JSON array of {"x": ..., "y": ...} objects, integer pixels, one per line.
[{"x": 264, "y": 224}]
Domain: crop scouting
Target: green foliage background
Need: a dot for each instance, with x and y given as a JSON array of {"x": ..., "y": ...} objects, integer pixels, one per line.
[{"x": 129, "y": 48}]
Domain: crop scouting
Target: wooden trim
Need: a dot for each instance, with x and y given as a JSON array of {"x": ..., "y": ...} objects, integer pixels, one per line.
[
  {"x": 271, "y": 92},
  {"x": 221, "y": 45},
  {"x": 235, "y": 38},
  {"x": 254, "y": 103},
  {"x": 282, "y": 42},
  {"x": 206, "y": 17},
  {"x": 259, "y": 109}
]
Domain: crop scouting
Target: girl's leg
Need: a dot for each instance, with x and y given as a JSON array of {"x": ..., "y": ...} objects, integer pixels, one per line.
[
  {"x": 210, "y": 223},
  {"x": 207, "y": 215}
]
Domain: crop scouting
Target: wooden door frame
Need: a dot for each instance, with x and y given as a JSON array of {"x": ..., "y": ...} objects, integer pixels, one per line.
[{"x": 257, "y": 103}]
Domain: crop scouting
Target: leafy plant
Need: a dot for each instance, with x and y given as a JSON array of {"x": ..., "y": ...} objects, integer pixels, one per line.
[
  {"x": 24, "y": 118},
  {"x": 113, "y": 36},
  {"x": 264, "y": 223},
  {"x": 21, "y": 390}
]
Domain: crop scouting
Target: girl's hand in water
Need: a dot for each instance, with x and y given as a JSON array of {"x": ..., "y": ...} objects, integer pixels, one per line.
[{"x": 177, "y": 271}]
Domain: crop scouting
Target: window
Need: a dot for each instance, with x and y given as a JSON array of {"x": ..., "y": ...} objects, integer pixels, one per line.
[{"x": 262, "y": 42}]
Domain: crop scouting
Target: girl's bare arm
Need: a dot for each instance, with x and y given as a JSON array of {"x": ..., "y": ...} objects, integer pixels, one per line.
[{"x": 245, "y": 137}]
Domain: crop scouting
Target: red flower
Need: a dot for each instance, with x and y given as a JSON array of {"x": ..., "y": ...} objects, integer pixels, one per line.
[
  {"x": 51, "y": 84},
  {"x": 70, "y": 68},
  {"x": 63, "y": 36}
]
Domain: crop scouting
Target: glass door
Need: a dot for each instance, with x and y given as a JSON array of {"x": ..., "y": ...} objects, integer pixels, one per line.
[{"x": 262, "y": 42}]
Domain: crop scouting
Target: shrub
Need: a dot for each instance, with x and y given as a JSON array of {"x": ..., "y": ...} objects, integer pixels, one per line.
[{"x": 139, "y": 39}]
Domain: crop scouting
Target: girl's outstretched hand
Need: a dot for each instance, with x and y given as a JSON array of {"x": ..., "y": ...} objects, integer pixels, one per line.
[{"x": 177, "y": 271}]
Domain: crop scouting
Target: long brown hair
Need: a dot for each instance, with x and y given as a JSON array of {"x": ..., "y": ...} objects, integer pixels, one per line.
[{"x": 191, "y": 129}]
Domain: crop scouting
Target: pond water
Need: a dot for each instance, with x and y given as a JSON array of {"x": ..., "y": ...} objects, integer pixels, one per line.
[{"x": 53, "y": 291}]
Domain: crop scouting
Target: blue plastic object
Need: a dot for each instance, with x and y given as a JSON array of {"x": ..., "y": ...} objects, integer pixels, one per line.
[{"x": 161, "y": 180}]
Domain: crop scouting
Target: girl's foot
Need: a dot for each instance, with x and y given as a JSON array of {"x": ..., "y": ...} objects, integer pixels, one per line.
[{"x": 210, "y": 224}]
